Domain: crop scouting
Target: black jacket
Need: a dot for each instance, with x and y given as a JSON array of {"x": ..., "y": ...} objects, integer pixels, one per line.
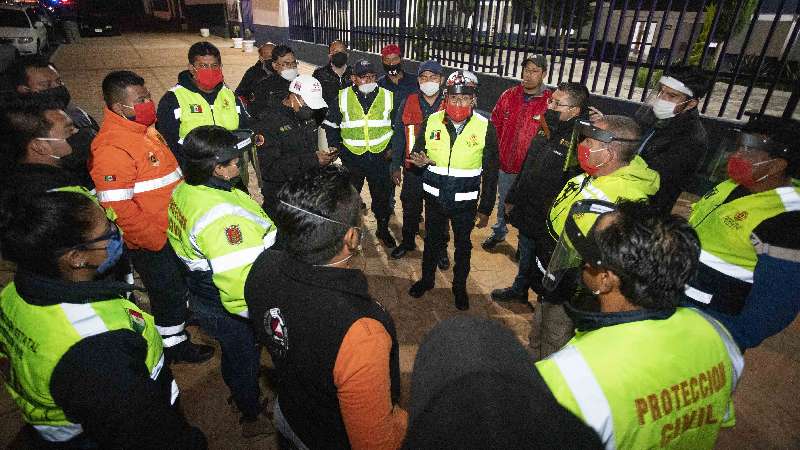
[
  {"x": 270, "y": 91},
  {"x": 254, "y": 75},
  {"x": 169, "y": 126},
  {"x": 542, "y": 177},
  {"x": 676, "y": 150},
  {"x": 102, "y": 382},
  {"x": 289, "y": 148},
  {"x": 331, "y": 82}
]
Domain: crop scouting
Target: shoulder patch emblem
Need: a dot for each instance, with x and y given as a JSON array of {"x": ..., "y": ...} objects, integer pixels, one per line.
[
  {"x": 436, "y": 135},
  {"x": 225, "y": 103},
  {"x": 277, "y": 332},
  {"x": 110, "y": 178},
  {"x": 137, "y": 320},
  {"x": 234, "y": 234},
  {"x": 153, "y": 160},
  {"x": 196, "y": 109},
  {"x": 741, "y": 215}
]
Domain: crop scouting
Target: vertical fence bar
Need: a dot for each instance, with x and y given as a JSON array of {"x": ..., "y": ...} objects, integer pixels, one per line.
[
  {"x": 547, "y": 29},
  {"x": 592, "y": 35},
  {"x": 565, "y": 50},
  {"x": 690, "y": 44},
  {"x": 630, "y": 39},
  {"x": 642, "y": 45},
  {"x": 664, "y": 19},
  {"x": 600, "y": 58},
  {"x": 739, "y": 60},
  {"x": 782, "y": 66},
  {"x": 557, "y": 44},
  {"x": 721, "y": 52},
  {"x": 675, "y": 33},
  {"x": 620, "y": 26},
  {"x": 761, "y": 57},
  {"x": 581, "y": 14},
  {"x": 711, "y": 35}
]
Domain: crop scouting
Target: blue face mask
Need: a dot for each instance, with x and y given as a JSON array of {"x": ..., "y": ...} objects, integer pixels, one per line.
[{"x": 114, "y": 253}]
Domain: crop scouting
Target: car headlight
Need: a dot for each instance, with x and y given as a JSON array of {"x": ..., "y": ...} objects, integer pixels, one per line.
[{"x": 25, "y": 40}]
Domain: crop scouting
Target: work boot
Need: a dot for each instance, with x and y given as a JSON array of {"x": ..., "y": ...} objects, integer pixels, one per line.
[
  {"x": 259, "y": 426},
  {"x": 402, "y": 249},
  {"x": 188, "y": 352},
  {"x": 385, "y": 235},
  {"x": 419, "y": 288},
  {"x": 509, "y": 294},
  {"x": 461, "y": 298},
  {"x": 444, "y": 261},
  {"x": 491, "y": 242}
]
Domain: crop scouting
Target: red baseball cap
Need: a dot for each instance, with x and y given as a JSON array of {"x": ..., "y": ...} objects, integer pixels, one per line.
[{"x": 391, "y": 49}]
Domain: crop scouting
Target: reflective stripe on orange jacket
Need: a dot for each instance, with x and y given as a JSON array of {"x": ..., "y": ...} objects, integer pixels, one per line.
[{"x": 135, "y": 173}]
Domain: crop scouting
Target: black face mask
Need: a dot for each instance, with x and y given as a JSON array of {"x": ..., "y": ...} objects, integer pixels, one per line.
[
  {"x": 59, "y": 94},
  {"x": 552, "y": 118},
  {"x": 339, "y": 59},
  {"x": 393, "y": 69},
  {"x": 305, "y": 113},
  {"x": 77, "y": 161}
]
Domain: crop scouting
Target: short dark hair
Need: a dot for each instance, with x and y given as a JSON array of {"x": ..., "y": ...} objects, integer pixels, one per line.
[
  {"x": 653, "y": 254},
  {"x": 24, "y": 120},
  {"x": 693, "y": 77},
  {"x": 324, "y": 191},
  {"x": 626, "y": 128},
  {"x": 336, "y": 41},
  {"x": 17, "y": 73},
  {"x": 576, "y": 91},
  {"x": 778, "y": 129},
  {"x": 200, "y": 148},
  {"x": 281, "y": 50},
  {"x": 115, "y": 83},
  {"x": 36, "y": 229},
  {"x": 203, "y": 48}
]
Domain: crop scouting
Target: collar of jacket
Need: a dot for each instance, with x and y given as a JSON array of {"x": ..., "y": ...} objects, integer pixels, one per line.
[
  {"x": 586, "y": 320},
  {"x": 218, "y": 183},
  {"x": 349, "y": 281},
  {"x": 115, "y": 120},
  {"x": 44, "y": 291},
  {"x": 522, "y": 94}
]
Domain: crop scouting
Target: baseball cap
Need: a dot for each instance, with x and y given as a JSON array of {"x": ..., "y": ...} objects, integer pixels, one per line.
[
  {"x": 430, "y": 66},
  {"x": 363, "y": 67},
  {"x": 310, "y": 90},
  {"x": 538, "y": 59},
  {"x": 391, "y": 49}
]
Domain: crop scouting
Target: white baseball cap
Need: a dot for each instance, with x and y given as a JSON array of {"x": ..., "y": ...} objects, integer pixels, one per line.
[{"x": 310, "y": 90}]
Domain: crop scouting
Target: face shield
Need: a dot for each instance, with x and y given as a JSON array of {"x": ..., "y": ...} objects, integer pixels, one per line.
[
  {"x": 576, "y": 245},
  {"x": 246, "y": 147}
]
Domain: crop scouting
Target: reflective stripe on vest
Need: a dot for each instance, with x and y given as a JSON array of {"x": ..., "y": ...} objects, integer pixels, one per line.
[
  {"x": 217, "y": 212},
  {"x": 368, "y": 131},
  {"x": 458, "y": 173},
  {"x": 118, "y": 195},
  {"x": 195, "y": 110}
]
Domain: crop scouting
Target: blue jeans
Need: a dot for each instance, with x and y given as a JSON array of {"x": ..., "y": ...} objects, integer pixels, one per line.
[
  {"x": 504, "y": 182},
  {"x": 240, "y": 354},
  {"x": 522, "y": 282}
]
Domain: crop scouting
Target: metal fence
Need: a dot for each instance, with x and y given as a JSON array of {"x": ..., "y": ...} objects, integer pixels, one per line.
[{"x": 749, "y": 48}]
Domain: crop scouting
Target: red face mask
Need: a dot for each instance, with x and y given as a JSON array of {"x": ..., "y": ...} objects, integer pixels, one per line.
[
  {"x": 208, "y": 78},
  {"x": 145, "y": 113},
  {"x": 741, "y": 170},
  {"x": 584, "y": 153},
  {"x": 457, "y": 113}
]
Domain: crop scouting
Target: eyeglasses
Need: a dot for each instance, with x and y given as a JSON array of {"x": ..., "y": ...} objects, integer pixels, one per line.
[
  {"x": 289, "y": 65},
  {"x": 111, "y": 232},
  {"x": 214, "y": 66},
  {"x": 460, "y": 100},
  {"x": 552, "y": 101}
]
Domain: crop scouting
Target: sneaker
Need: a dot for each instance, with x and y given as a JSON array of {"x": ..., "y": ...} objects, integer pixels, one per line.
[
  {"x": 491, "y": 242},
  {"x": 509, "y": 294},
  {"x": 188, "y": 352},
  {"x": 419, "y": 288},
  {"x": 261, "y": 425},
  {"x": 461, "y": 298},
  {"x": 444, "y": 262}
]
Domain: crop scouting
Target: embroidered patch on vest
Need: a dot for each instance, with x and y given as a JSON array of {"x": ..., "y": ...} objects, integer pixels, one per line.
[
  {"x": 137, "y": 320},
  {"x": 233, "y": 234},
  {"x": 472, "y": 140},
  {"x": 277, "y": 332},
  {"x": 110, "y": 178},
  {"x": 196, "y": 109},
  {"x": 436, "y": 135},
  {"x": 741, "y": 215},
  {"x": 153, "y": 160},
  {"x": 225, "y": 103}
]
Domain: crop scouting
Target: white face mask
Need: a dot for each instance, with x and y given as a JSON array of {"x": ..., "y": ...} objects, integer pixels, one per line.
[
  {"x": 51, "y": 140},
  {"x": 289, "y": 74},
  {"x": 664, "y": 109},
  {"x": 366, "y": 88},
  {"x": 429, "y": 88}
]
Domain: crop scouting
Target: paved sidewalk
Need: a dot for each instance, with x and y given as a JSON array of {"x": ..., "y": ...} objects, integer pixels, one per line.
[{"x": 766, "y": 417}]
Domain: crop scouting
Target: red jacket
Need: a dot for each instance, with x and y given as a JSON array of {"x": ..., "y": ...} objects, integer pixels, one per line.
[
  {"x": 135, "y": 173},
  {"x": 516, "y": 123}
]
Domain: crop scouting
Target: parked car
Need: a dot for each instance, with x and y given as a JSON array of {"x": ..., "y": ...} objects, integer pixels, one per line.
[
  {"x": 98, "y": 17},
  {"x": 22, "y": 30}
]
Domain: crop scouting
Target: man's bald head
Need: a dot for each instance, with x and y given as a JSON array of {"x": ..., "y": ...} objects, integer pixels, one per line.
[{"x": 265, "y": 51}]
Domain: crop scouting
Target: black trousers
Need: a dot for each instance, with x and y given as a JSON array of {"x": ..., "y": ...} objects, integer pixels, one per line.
[
  {"x": 375, "y": 169},
  {"x": 436, "y": 221},
  {"x": 411, "y": 197},
  {"x": 162, "y": 275}
]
